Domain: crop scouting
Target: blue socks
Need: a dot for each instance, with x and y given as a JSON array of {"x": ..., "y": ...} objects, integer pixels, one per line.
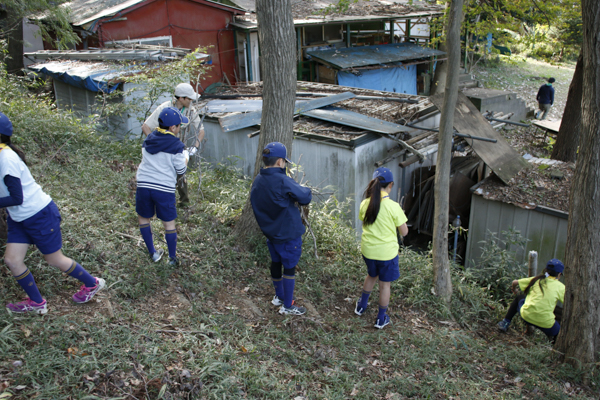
[
  {"x": 146, "y": 232},
  {"x": 28, "y": 284},
  {"x": 77, "y": 272},
  {"x": 171, "y": 239},
  {"x": 382, "y": 312},
  {"x": 288, "y": 290},
  {"x": 364, "y": 299},
  {"x": 278, "y": 284}
]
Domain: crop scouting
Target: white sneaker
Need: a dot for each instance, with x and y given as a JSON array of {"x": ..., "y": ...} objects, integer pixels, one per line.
[
  {"x": 157, "y": 255},
  {"x": 293, "y": 310}
]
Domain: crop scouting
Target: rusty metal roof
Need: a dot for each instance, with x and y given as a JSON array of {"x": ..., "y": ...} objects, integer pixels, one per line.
[{"x": 362, "y": 56}]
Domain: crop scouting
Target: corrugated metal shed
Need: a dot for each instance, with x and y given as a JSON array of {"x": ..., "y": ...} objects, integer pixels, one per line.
[
  {"x": 336, "y": 153},
  {"x": 349, "y": 57},
  {"x": 544, "y": 228}
]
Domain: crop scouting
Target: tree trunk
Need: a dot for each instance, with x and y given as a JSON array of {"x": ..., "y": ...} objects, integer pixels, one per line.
[
  {"x": 441, "y": 264},
  {"x": 441, "y": 71},
  {"x": 277, "y": 41},
  {"x": 565, "y": 148},
  {"x": 14, "y": 63},
  {"x": 579, "y": 339}
]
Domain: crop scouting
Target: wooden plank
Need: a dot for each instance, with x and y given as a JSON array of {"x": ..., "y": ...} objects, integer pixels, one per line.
[
  {"x": 550, "y": 126},
  {"x": 239, "y": 121},
  {"x": 499, "y": 156}
]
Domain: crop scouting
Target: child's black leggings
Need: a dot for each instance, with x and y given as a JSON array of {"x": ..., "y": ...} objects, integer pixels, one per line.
[{"x": 514, "y": 307}]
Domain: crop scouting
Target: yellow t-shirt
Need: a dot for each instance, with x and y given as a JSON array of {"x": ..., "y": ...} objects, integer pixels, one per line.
[
  {"x": 379, "y": 240},
  {"x": 539, "y": 307}
]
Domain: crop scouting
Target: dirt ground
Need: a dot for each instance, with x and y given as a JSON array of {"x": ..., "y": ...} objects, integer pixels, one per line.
[{"x": 546, "y": 185}]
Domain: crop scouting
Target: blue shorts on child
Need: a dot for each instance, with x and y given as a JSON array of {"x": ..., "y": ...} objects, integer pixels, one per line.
[
  {"x": 41, "y": 229},
  {"x": 150, "y": 201},
  {"x": 287, "y": 253},
  {"x": 388, "y": 271}
]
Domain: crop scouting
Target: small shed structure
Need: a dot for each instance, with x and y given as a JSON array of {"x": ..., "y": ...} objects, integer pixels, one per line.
[
  {"x": 80, "y": 77},
  {"x": 172, "y": 23},
  {"x": 337, "y": 145},
  {"x": 535, "y": 203},
  {"x": 320, "y": 26},
  {"x": 389, "y": 67}
]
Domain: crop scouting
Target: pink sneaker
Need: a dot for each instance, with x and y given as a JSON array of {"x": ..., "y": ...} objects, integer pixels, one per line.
[
  {"x": 26, "y": 306},
  {"x": 85, "y": 293}
]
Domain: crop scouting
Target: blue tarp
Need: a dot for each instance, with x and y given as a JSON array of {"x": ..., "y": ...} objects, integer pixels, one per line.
[
  {"x": 398, "y": 80},
  {"x": 90, "y": 76}
]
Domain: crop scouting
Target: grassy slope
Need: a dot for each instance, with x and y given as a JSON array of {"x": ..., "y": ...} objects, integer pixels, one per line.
[
  {"x": 208, "y": 330},
  {"x": 524, "y": 76}
]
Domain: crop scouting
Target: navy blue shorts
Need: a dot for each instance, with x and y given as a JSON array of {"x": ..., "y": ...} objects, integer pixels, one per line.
[
  {"x": 552, "y": 331},
  {"x": 41, "y": 229},
  {"x": 287, "y": 253},
  {"x": 150, "y": 201},
  {"x": 388, "y": 271}
]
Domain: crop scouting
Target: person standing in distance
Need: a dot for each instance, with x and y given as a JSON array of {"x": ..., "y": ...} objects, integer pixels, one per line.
[
  {"x": 381, "y": 217},
  {"x": 184, "y": 96},
  {"x": 273, "y": 197},
  {"x": 545, "y": 98},
  {"x": 163, "y": 159},
  {"x": 33, "y": 218}
]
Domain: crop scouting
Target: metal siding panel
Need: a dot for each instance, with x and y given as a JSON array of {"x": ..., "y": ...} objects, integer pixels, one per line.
[
  {"x": 549, "y": 230},
  {"x": 520, "y": 222},
  {"x": 546, "y": 233},
  {"x": 477, "y": 229}
]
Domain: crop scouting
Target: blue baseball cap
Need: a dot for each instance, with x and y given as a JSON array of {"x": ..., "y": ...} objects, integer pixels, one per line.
[
  {"x": 555, "y": 265},
  {"x": 384, "y": 174},
  {"x": 278, "y": 150},
  {"x": 6, "y": 127},
  {"x": 172, "y": 116}
]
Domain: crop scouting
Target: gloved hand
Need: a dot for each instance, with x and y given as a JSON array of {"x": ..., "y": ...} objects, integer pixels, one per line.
[
  {"x": 186, "y": 154},
  {"x": 192, "y": 151}
]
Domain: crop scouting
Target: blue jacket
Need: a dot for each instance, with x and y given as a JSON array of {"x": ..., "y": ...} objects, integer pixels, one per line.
[
  {"x": 545, "y": 94},
  {"x": 273, "y": 197}
]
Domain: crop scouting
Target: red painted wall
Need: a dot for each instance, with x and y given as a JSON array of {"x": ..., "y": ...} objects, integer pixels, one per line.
[{"x": 190, "y": 24}]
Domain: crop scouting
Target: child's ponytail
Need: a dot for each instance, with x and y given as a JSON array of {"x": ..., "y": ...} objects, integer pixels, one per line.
[
  {"x": 373, "y": 192},
  {"x": 6, "y": 140}
]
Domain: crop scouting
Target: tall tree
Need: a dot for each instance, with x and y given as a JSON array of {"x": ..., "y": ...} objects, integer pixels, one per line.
[
  {"x": 579, "y": 339},
  {"x": 277, "y": 41},
  {"x": 567, "y": 142},
  {"x": 441, "y": 264}
]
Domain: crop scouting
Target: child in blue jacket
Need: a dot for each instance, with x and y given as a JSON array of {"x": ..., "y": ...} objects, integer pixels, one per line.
[{"x": 274, "y": 196}]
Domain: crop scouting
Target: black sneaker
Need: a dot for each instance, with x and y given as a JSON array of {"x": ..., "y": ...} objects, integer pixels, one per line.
[
  {"x": 173, "y": 262},
  {"x": 503, "y": 325},
  {"x": 293, "y": 310}
]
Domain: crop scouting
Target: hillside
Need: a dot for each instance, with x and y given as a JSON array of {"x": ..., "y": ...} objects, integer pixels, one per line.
[{"x": 208, "y": 330}]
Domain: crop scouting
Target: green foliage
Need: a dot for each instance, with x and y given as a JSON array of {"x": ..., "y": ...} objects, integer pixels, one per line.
[
  {"x": 51, "y": 17},
  {"x": 149, "y": 83},
  {"x": 207, "y": 329},
  {"x": 340, "y": 7},
  {"x": 498, "y": 265}
]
